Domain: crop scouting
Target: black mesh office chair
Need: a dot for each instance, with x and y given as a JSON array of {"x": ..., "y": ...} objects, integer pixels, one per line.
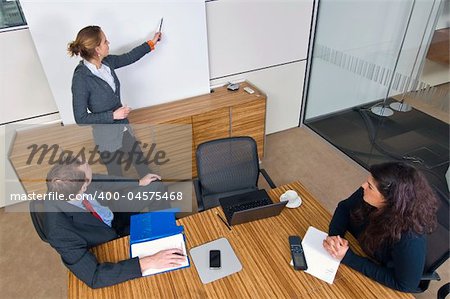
[
  {"x": 443, "y": 291},
  {"x": 226, "y": 167},
  {"x": 38, "y": 217},
  {"x": 438, "y": 250}
]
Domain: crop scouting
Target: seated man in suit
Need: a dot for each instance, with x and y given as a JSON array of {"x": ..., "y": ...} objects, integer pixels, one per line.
[{"x": 85, "y": 218}]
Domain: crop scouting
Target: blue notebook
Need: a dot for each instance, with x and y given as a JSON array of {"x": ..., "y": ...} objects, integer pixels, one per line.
[{"x": 155, "y": 231}]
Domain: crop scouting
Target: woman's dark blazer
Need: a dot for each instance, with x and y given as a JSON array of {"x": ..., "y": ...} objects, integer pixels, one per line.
[{"x": 94, "y": 101}]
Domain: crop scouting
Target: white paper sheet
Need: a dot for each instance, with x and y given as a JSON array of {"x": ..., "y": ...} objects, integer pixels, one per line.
[
  {"x": 320, "y": 263},
  {"x": 152, "y": 247}
]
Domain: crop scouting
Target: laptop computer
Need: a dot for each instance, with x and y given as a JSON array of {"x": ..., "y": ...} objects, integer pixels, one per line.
[{"x": 250, "y": 206}]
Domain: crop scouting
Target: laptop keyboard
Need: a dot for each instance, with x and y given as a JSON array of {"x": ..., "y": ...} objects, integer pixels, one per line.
[{"x": 247, "y": 205}]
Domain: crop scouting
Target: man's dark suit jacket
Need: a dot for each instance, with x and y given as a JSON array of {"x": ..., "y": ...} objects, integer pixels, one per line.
[{"x": 72, "y": 231}]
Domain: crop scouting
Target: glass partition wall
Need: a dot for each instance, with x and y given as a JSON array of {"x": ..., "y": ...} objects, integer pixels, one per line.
[{"x": 366, "y": 93}]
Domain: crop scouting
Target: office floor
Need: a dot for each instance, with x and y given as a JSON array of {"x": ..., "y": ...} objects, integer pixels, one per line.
[
  {"x": 29, "y": 268},
  {"x": 414, "y": 136},
  {"x": 437, "y": 103}
]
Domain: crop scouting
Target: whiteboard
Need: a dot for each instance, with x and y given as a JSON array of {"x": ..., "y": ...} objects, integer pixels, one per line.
[
  {"x": 251, "y": 35},
  {"x": 178, "y": 68}
]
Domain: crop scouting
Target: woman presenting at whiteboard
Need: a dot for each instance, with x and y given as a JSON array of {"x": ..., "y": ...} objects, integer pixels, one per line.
[{"x": 96, "y": 98}]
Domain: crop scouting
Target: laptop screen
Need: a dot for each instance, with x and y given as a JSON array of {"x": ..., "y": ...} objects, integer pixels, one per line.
[
  {"x": 257, "y": 213},
  {"x": 249, "y": 206}
]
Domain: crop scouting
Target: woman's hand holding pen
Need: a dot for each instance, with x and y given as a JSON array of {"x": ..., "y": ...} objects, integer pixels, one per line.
[
  {"x": 156, "y": 37},
  {"x": 122, "y": 112},
  {"x": 336, "y": 246}
]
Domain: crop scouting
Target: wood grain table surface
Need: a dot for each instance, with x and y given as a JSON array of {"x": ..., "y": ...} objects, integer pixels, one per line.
[{"x": 262, "y": 248}]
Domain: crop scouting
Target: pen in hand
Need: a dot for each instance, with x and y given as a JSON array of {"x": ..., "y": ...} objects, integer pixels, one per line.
[
  {"x": 160, "y": 27},
  {"x": 223, "y": 220}
]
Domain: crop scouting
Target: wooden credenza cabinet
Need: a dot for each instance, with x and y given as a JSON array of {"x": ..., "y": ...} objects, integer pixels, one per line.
[
  {"x": 174, "y": 126},
  {"x": 439, "y": 47},
  {"x": 219, "y": 114}
]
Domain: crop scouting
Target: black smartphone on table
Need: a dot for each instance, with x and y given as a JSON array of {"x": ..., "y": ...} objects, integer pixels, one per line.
[
  {"x": 214, "y": 259},
  {"x": 298, "y": 256}
]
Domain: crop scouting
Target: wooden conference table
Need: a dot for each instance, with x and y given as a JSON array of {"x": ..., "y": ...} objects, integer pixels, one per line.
[{"x": 261, "y": 246}]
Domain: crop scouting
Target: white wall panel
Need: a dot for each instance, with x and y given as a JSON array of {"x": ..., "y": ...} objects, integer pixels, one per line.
[
  {"x": 24, "y": 91},
  {"x": 249, "y": 35},
  {"x": 283, "y": 86}
]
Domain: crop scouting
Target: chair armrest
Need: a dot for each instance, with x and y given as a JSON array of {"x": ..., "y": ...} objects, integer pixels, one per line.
[
  {"x": 430, "y": 276},
  {"x": 198, "y": 195},
  {"x": 267, "y": 178}
]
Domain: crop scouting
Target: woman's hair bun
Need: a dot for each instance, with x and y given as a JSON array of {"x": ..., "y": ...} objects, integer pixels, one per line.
[{"x": 73, "y": 48}]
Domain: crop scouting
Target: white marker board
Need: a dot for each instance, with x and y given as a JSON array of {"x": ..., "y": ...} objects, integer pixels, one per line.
[{"x": 177, "y": 69}]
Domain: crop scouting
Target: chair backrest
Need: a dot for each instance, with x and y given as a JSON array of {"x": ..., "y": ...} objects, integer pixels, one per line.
[
  {"x": 227, "y": 164},
  {"x": 438, "y": 248},
  {"x": 37, "y": 213}
]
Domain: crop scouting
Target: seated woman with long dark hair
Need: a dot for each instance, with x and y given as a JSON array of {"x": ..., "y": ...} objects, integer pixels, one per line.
[{"x": 390, "y": 215}]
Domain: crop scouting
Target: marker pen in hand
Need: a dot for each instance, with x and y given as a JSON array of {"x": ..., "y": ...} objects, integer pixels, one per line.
[{"x": 160, "y": 27}]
